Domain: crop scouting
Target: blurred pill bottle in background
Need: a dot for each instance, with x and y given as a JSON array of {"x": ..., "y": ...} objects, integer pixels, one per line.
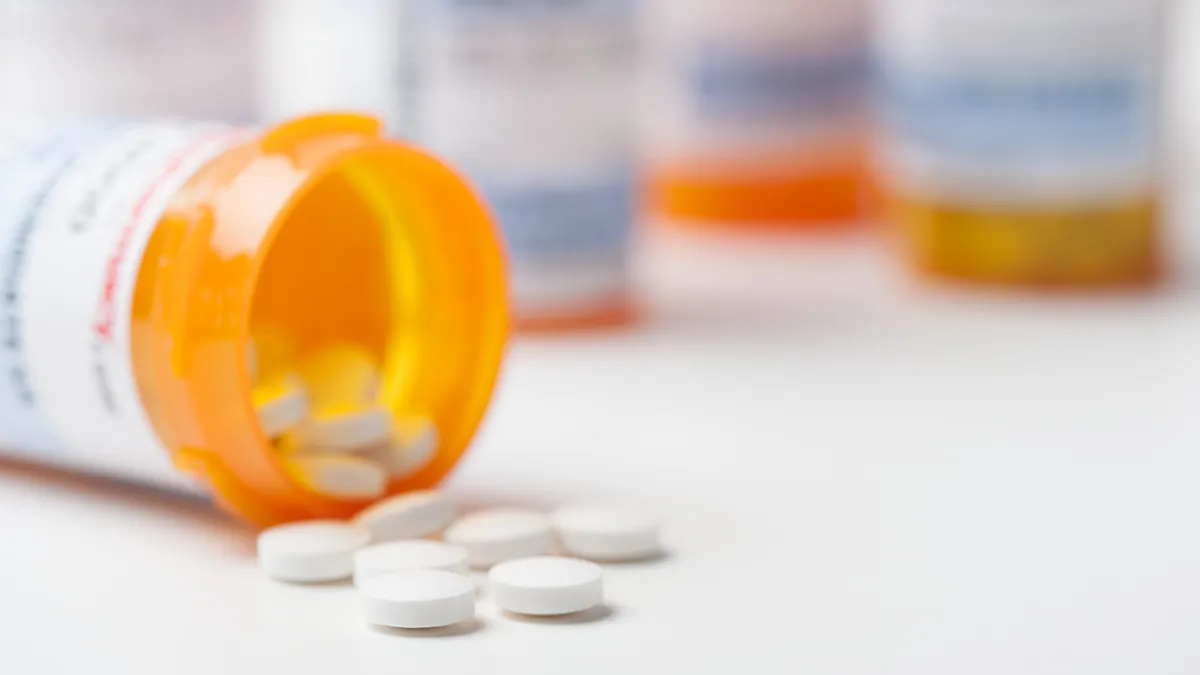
[
  {"x": 533, "y": 99},
  {"x": 1021, "y": 139},
  {"x": 191, "y": 58},
  {"x": 754, "y": 112},
  {"x": 137, "y": 259}
]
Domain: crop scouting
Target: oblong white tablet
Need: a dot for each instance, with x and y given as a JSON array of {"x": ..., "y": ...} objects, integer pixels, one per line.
[
  {"x": 408, "y": 516},
  {"x": 310, "y": 552},
  {"x": 414, "y": 554},
  {"x": 606, "y": 532},
  {"x": 341, "y": 476},
  {"x": 418, "y": 599},
  {"x": 281, "y": 405},
  {"x": 546, "y": 586},
  {"x": 494, "y": 535},
  {"x": 345, "y": 429}
]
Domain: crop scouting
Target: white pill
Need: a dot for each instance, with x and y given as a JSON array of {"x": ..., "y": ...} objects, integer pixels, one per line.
[
  {"x": 495, "y": 535},
  {"x": 281, "y": 405},
  {"x": 606, "y": 533},
  {"x": 349, "y": 429},
  {"x": 546, "y": 586},
  {"x": 414, "y": 554},
  {"x": 413, "y": 445},
  {"x": 310, "y": 552},
  {"x": 407, "y": 516},
  {"x": 418, "y": 599},
  {"x": 338, "y": 475}
]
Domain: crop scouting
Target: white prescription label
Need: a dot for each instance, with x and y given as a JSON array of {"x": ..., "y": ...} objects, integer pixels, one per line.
[
  {"x": 78, "y": 203},
  {"x": 757, "y": 81},
  {"x": 1021, "y": 101}
]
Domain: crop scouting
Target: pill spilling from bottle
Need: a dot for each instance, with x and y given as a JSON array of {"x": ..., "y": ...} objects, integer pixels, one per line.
[
  {"x": 324, "y": 413},
  {"x": 410, "y": 557}
]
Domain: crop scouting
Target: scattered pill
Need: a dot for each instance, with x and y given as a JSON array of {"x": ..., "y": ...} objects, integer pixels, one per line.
[
  {"x": 408, "y": 516},
  {"x": 347, "y": 428},
  {"x": 606, "y": 533},
  {"x": 495, "y": 535},
  {"x": 546, "y": 586},
  {"x": 414, "y": 554},
  {"x": 310, "y": 552},
  {"x": 418, "y": 599},
  {"x": 413, "y": 446},
  {"x": 340, "y": 476},
  {"x": 281, "y": 404}
]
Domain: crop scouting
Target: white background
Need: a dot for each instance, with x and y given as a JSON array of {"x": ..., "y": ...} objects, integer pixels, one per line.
[{"x": 857, "y": 474}]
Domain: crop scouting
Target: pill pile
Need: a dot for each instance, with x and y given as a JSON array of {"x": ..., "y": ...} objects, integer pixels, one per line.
[
  {"x": 324, "y": 415},
  {"x": 410, "y": 557}
]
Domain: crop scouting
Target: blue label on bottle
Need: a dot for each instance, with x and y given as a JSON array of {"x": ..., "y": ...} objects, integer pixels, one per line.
[
  {"x": 560, "y": 219},
  {"x": 731, "y": 84},
  {"x": 1031, "y": 117}
]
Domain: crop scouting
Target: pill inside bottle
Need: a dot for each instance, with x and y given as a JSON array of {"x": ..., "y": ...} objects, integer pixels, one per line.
[{"x": 341, "y": 324}]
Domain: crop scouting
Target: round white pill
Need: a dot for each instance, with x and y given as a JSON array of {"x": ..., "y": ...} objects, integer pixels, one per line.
[
  {"x": 546, "y": 586},
  {"x": 310, "y": 552},
  {"x": 495, "y": 535},
  {"x": 415, "y": 554},
  {"x": 606, "y": 533},
  {"x": 418, "y": 599},
  {"x": 346, "y": 430},
  {"x": 407, "y": 516}
]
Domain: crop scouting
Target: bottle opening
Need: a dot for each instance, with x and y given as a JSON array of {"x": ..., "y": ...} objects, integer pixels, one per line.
[
  {"x": 322, "y": 235},
  {"x": 339, "y": 291}
]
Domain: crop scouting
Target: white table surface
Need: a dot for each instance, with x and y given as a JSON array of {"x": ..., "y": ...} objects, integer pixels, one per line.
[{"x": 857, "y": 475}]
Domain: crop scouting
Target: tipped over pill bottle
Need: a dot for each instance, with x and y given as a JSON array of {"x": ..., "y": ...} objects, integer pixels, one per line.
[
  {"x": 138, "y": 259},
  {"x": 532, "y": 99},
  {"x": 755, "y": 112},
  {"x": 1021, "y": 139}
]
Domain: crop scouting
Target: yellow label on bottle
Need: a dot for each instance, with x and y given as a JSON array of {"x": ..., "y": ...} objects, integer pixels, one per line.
[{"x": 1114, "y": 244}]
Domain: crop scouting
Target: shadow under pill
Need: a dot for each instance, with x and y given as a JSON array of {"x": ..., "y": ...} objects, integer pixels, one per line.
[
  {"x": 659, "y": 558},
  {"x": 461, "y": 629},
  {"x": 317, "y": 585},
  {"x": 593, "y": 615}
]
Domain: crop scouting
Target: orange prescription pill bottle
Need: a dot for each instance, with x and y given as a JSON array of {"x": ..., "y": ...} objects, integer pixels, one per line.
[
  {"x": 755, "y": 112},
  {"x": 1021, "y": 140},
  {"x": 137, "y": 258}
]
